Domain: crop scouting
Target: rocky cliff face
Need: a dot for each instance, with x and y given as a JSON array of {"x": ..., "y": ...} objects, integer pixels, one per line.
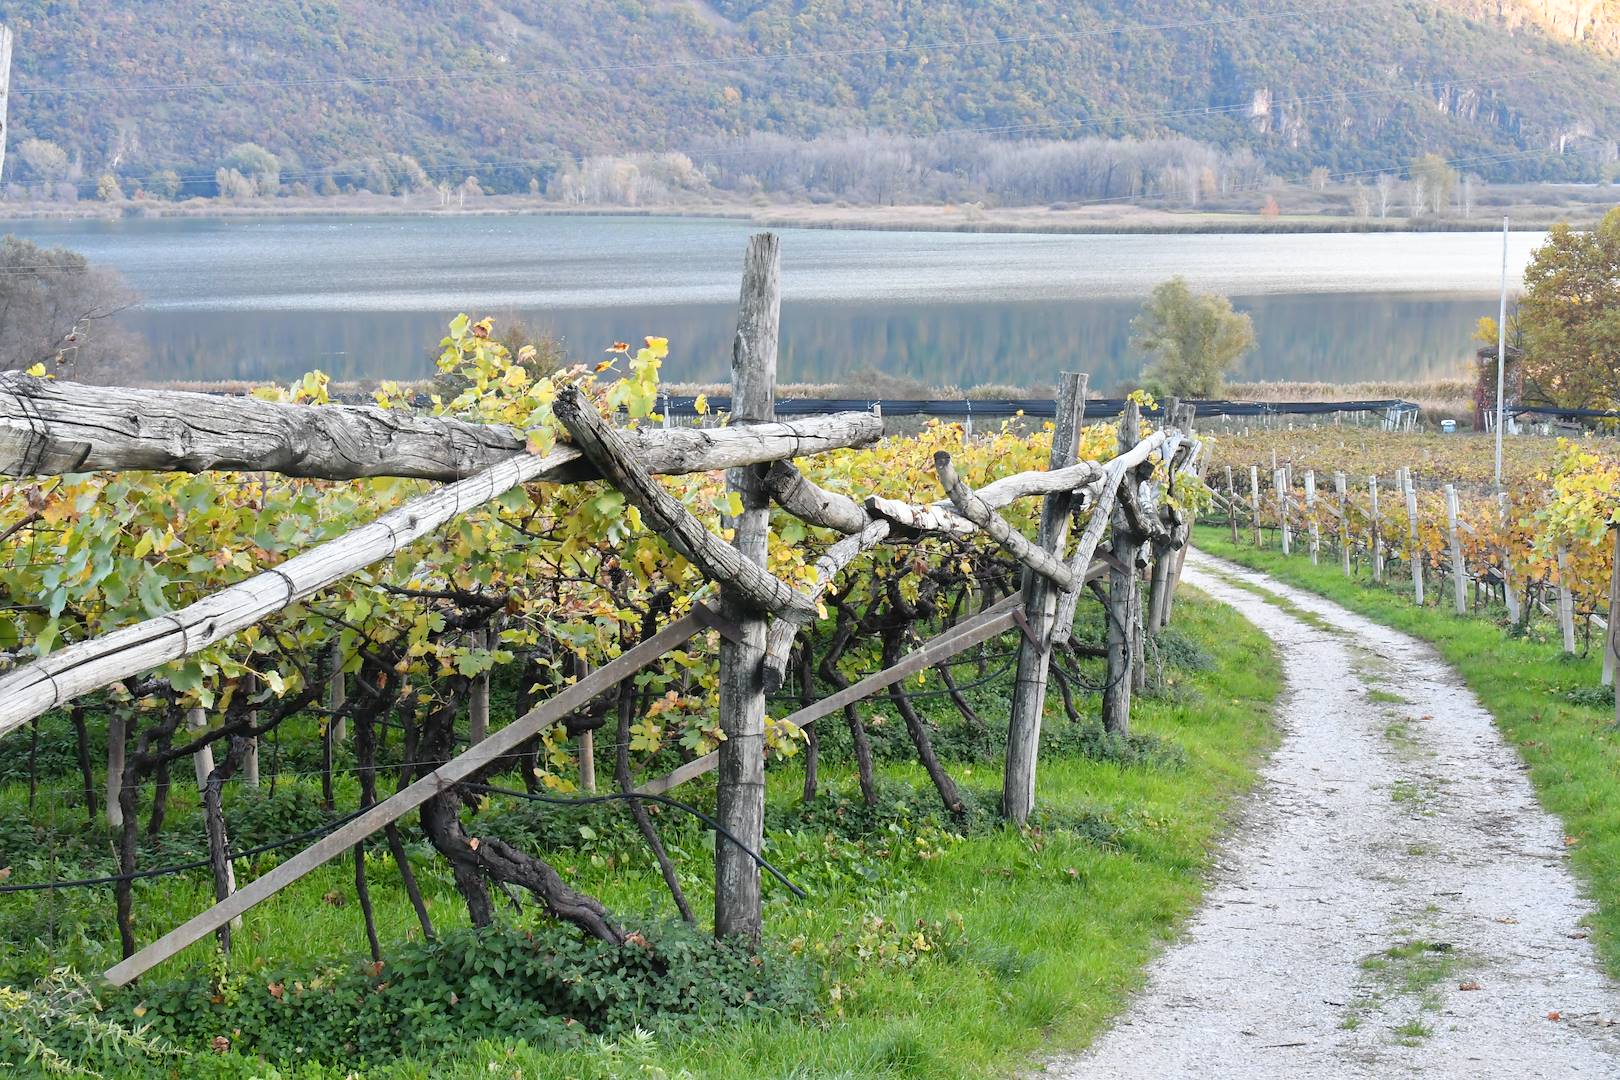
[{"x": 1593, "y": 23}]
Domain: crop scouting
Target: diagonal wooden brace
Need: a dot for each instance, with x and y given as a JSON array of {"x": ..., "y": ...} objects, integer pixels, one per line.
[
  {"x": 719, "y": 561},
  {"x": 973, "y": 508}
]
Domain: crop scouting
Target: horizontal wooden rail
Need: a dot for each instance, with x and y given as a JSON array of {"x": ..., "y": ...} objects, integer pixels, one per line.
[
  {"x": 496, "y": 746},
  {"x": 48, "y": 427},
  {"x": 101, "y": 661}
]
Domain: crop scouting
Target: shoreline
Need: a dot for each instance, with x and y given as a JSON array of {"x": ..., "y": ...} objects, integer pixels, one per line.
[{"x": 1133, "y": 220}]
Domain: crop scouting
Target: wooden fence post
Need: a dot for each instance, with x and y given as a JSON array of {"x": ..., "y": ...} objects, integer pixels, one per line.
[
  {"x": 740, "y": 799},
  {"x": 1459, "y": 572},
  {"x": 250, "y": 757},
  {"x": 1413, "y": 556},
  {"x": 1310, "y": 508},
  {"x": 1121, "y": 608},
  {"x": 115, "y": 767},
  {"x": 203, "y": 763},
  {"x": 1340, "y": 489},
  {"x": 336, "y": 695},
  {"x": 1377, "y": 531},
  {"x": 1231, "y": 505},
  {"x": 1510, "y": 594},
  {"x": 1566, "y": 603},
  {"x": 1254, "y": 501},
  {"x": 1040, "y": 605}
]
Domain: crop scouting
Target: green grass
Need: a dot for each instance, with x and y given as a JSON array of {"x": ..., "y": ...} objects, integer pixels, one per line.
[
  {"x": 1541, "y": 700},
  {"x": 1056, "y": 924}
]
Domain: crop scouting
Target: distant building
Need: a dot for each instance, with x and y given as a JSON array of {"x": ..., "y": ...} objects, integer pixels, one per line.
[{"x": 1485, "y": 384}]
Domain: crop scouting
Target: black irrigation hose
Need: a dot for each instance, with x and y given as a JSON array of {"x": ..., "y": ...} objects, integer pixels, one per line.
[
  {"x": 113, "y": 879},
  {"x": 629, "y": 796}
]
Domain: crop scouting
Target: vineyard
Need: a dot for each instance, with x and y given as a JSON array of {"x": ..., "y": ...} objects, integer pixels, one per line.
[
  {"x": 286, "y": 624},
  {"x": 1422, "y": 510}
]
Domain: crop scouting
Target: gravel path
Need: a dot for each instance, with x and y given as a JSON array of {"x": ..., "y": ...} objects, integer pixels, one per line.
[{"x": 1394, "y": 901}]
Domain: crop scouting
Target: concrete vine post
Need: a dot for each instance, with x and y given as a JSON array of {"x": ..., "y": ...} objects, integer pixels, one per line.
[
  {"x": 1279, "y": 486},
  {"x": 1231, "y": 505},
  {"x": 1377, "y": 531},
  {"x": 1310, "y": 509},
  {"x": 1613, "y": 650},
  {"x": 1040, "y": 607},
  {"x": 740, "y": 798},
  {"x": 1413, "y": 556},
  {"x": 5, "y": 86},
  {"x": 1566, "y": 603},
  {"x": 1340, "y": 489},
  {"x": 1121, "y": 607},
  {"x": 1254, "y": 501},
  {"x": 1459, "y": 572},
  {"x": 1510, "y": 595}
]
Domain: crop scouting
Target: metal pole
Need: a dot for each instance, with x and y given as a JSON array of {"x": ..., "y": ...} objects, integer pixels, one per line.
[{"x": 1501, "y": 354}]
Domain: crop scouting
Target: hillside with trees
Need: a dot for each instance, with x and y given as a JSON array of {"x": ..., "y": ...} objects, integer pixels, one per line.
[{"x": 180, "y": 97}]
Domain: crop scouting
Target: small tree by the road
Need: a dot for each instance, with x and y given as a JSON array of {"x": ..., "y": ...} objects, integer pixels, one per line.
[
  {"x": 1570, "y": 315},
  {"x": 57, "y": 310},
  {"x": 1193, "y": 340}
]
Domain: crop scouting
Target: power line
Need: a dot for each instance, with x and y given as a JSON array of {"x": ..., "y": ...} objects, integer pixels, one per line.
[{"x": 782, "y": 56}]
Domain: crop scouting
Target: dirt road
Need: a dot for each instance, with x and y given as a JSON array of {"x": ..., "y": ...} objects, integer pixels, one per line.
[{"x": 1394, "y": 901}]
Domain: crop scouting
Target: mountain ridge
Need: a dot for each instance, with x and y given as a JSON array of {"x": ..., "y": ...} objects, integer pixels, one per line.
[{"x": 511, "y": 91}]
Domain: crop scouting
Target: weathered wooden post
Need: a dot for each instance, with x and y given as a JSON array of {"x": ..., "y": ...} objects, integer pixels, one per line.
[
  {"x": 1566, "y": 603},
  {"x": 1254, "y": 501},
  {"x": 337, "y": 694},
  {"x": 1040, "y": 606},
  {"x": 115, "y": 768},
  {"x": 1231, "y": 505},
  {"x": 250, "y": 757},
  {"x": 213, "y": 821},
  {"x": 1120, "y": 639},
  {"x": 5, "y": 87},
  {"x": 1341, "y": 489},
  {"x": 1459, "y": 572},
  {"x": 1310, "y": 509},
  {"x": 1413, "y": 556},
  {"x": 740, "y": 798},
  {"x": 1377, "y": 531}
]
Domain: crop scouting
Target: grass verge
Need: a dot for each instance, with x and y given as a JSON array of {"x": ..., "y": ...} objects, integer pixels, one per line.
[
  {"x": 1541, "y": 700},
  {"x": 938, "y": 949}
]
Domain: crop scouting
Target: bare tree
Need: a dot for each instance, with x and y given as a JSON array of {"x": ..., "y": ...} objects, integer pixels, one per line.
[
  {"x": 1386, "y": 193},
  {"x": 58, "y": 310}
]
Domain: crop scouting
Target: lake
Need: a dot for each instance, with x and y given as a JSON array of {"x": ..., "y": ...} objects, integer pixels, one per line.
[{"x": 367, "y": 297}]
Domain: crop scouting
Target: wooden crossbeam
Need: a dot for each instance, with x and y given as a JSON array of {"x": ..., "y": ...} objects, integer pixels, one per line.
[
  {"x": 501, "y": 744},
  {"x": 101, "y": 661},
  {"x": 49, "y": 427}
]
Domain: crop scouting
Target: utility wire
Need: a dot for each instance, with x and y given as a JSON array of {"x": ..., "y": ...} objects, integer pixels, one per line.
[
  {"x": 633, "y": 796},
  {"x": 113, "y": 879}
]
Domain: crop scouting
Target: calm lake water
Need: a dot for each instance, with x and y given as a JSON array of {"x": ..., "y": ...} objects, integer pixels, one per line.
[{"x": 368, "y": 297}]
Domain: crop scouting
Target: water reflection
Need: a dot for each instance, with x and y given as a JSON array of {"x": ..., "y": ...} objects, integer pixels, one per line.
[{"x": 1329, "y": 337}]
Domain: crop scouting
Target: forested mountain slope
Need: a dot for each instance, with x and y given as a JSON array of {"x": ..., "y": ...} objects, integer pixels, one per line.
[{"x": 510, "y": 89}]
